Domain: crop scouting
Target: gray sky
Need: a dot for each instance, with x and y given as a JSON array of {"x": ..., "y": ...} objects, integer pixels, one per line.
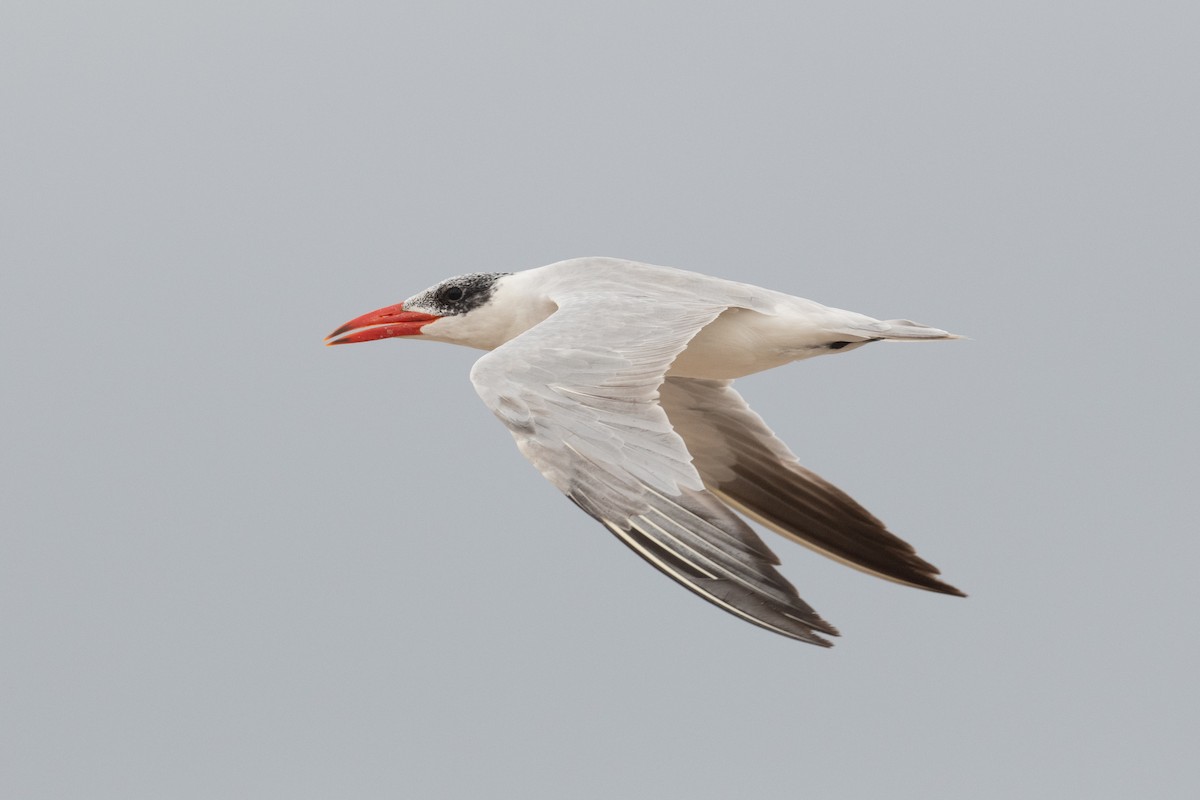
[{"x": 236, "y": 564}]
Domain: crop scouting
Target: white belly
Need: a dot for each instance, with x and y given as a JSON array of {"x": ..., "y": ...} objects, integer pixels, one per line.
[{"x": 741, "y": 342}]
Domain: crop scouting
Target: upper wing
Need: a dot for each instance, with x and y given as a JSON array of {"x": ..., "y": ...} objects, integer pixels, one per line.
[
  {"x": 743, "y": 463},
  {"x": 579, "y": 392}
]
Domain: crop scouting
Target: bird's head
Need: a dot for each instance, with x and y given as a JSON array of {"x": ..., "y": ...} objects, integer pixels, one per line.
[{"x": 451, "y": 311}]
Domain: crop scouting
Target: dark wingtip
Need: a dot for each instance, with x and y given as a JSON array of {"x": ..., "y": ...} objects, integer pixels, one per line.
[
  {"x": 810, "y": 633},
  {"x": 934, "y": 585},
  {"x": 821, "y": 625}
]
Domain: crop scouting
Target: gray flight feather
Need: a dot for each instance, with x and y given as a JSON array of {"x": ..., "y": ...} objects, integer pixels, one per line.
[
  {"x": 747, "y": 466},
  {"x": 580, "y": 394}
]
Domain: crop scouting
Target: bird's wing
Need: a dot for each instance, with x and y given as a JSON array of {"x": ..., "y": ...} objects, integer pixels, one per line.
[
  {"x": 744, "y": 464},
  {"x": 579, "y": 392}
]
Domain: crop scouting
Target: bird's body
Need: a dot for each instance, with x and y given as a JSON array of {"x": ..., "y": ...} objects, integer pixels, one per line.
[{"x": 614, "y": 379}]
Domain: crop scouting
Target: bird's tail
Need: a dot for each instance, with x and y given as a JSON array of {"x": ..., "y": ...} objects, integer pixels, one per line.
[
  {"x": 858, "y": 329},
  {"x": 907, "y": 330}
]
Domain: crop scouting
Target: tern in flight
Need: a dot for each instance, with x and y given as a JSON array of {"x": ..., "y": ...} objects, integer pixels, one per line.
[{"x": 615, "y": 379}]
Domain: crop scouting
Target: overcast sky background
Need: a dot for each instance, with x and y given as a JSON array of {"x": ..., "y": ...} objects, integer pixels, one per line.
[{"x": 237, "y": 564}]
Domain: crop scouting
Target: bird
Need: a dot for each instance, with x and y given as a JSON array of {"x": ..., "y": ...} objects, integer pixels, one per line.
[{"x": 615, "y": 379}]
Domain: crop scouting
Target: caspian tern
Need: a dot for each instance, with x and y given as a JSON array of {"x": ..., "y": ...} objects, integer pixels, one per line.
[{"x": 614, "y": 377}]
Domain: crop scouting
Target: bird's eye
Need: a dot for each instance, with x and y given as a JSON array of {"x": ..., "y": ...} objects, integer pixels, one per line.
[{"x": 453, "y": 294}]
